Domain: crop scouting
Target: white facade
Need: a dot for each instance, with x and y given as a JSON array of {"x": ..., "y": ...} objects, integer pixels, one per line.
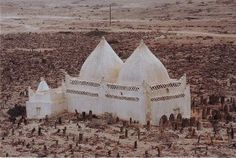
[
  {"x": 45, "y": 101},
  {"x": 140, "y": 88}
]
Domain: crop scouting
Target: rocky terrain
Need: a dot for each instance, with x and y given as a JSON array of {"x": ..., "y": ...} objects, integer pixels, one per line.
[
  {"x": 209, "y": 62},
  {"x": 81, "y": 135},
  {"x": 39, "y": 38},
  {"x": 210, "y": 70}
]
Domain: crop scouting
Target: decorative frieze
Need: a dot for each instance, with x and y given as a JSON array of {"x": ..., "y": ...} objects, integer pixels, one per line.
[
  {"x": 167, "y": 97},
  {"x": 86, "y": 83},
  {"x": 82, "y": 93},
  {"x": 160, "y": 86},
  {"x": 122, "y": 97},
  {"x": 125, "y": 88}
]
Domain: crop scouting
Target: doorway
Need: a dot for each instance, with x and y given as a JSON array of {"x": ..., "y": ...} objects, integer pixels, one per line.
[{"x": 38, "y": 111}]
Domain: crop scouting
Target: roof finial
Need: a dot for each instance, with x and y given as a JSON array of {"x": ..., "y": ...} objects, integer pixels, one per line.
[
  {"x": 103, "y": 38},
  {"x": 42, "y": 79},
  {"x": 141, "y": 42}
]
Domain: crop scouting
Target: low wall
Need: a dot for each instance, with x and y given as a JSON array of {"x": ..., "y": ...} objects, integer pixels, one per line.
[{"x": 127, "y": 101}]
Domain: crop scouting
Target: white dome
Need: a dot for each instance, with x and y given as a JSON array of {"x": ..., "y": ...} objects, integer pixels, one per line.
[
  {"x": 141, "y": 66},
  {"x": 103, "y": 62},
  {"x": 43, "y": 86}
]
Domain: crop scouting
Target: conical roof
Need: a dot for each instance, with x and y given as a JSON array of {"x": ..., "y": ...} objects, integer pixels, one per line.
[
  {"x": 43, "y": 86},
  {"x": 141, "y": 66},
  {"x": 102, "y": 63}
]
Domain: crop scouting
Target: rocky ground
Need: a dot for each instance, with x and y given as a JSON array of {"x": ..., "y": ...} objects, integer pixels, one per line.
[
  {"x": 209, "y": 62},
  {"x": 73, "y": 135},
  {"x": 26, "y": 57},
  {"x": 38, "y": 38}
]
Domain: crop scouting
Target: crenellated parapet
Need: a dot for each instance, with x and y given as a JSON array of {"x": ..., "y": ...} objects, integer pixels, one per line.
[{"x": 157, "y": 92}]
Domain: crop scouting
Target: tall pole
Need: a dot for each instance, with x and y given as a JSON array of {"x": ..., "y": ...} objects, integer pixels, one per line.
[{"x": 110, "y": 14}]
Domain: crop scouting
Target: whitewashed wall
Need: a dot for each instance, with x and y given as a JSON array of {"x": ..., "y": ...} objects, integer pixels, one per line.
[
  {"x": 172, "y": 98},
  {"x": 81, "y": 95},
  {"x": 126, "y": 101},
  {"x": 46, "y": 109},
  {"x": 50, "y": 102},
  {"x": 136, "y": 102},
  {"x": 123, "y": 101},
  {"x": 187, "y": 103},
  {"x": 49, "y": 109}
]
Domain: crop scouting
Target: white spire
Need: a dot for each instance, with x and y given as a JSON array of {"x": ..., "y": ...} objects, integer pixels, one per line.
[
  {"x": 102, "y": 62},
  {"x": 43, "y": 86},
  {"x": 143, "y": 65},
  {"x": 141, "y": 42}
]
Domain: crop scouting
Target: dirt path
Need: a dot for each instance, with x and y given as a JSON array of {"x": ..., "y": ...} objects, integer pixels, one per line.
[{"x": 198, "y": 33}]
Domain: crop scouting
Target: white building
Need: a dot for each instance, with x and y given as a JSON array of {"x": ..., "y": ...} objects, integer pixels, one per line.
[
  {"x": 45, "y": 101},
  {"x": 140, "y": 88}
]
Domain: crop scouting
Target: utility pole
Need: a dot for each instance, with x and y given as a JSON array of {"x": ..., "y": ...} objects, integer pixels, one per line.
[{"x": 110, "y": 14}]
